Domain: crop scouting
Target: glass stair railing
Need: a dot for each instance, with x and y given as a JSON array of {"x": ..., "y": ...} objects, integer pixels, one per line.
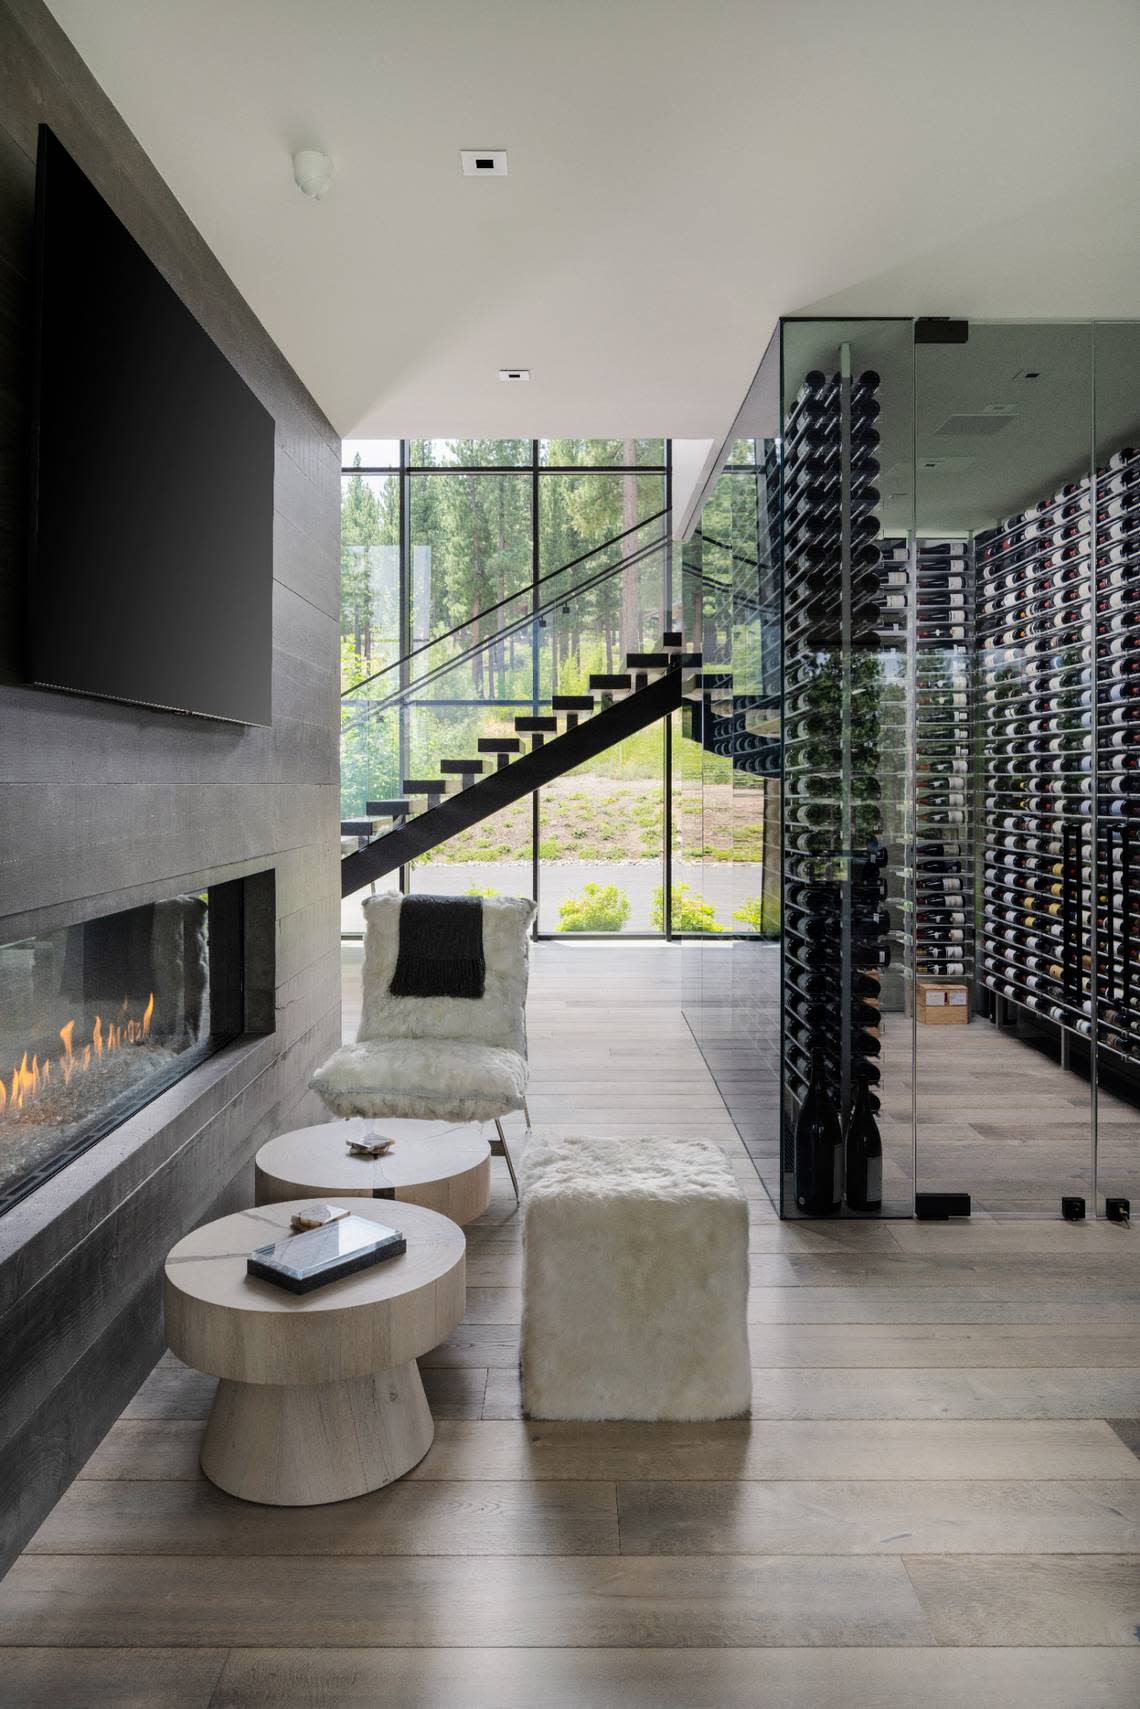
[{"x": 451, "y": 692}]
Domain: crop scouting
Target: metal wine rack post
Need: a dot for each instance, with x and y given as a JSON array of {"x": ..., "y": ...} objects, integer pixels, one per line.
[
  {"x": 1095, "y": 1004},
  {"x": 846, "y": 786},
  {"x": 1115, "y": 515}
]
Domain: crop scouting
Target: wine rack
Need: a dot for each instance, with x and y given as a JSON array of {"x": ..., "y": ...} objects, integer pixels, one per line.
[
  {"x": 1058, "y": 620},
  {"x": 943, "y": 846},
  {"x": 834, "y": 924}
]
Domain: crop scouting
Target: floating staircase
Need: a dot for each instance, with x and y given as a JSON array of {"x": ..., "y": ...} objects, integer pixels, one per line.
[{"x": 579, "y": 726}]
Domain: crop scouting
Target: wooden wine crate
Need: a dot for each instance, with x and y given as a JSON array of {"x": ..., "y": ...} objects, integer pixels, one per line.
[{"x": 942, "y": 1005}]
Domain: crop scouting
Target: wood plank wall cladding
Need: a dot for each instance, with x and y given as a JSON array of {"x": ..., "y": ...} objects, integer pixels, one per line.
[{"x": 103, "y": 806}]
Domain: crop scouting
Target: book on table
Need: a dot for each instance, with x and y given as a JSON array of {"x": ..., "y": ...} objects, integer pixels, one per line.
[{"x": 339, "y": 1248}]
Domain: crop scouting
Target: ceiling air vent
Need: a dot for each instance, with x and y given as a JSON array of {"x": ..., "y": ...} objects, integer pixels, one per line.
[
  {"x": 514, "y": 376},
  {"x": 974, "y": 426},
  {"x": 483, "y": 162}
]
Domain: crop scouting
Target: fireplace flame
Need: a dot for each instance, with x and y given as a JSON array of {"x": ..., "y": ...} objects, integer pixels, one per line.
[{"x": 29, "y": 1080}]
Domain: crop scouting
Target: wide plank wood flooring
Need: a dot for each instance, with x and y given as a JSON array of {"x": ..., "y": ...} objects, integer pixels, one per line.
[{"x": 936, "y": 1500}]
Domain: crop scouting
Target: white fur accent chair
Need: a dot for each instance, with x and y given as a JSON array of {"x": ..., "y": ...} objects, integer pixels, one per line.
[
  {"x": 458, "y": 1059},
  {"x": 635, "y": 1281}
]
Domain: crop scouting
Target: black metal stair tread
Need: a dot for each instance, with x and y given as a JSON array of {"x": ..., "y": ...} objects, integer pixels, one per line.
[
  {"x": 387, "y": 809},
  {"x": 648, "y": 661},
  {"x": 614, "y": 681},
  {"x": 425, "y": 785},
  {"x": 356, "y": 827},
  {"x": 500, "y": 745},
  {"x": 672, "y": 638},
  {"x": 539, "y": 723},
  {"x": 463, "y": 767},
  {"x": 572, "y": 702}
]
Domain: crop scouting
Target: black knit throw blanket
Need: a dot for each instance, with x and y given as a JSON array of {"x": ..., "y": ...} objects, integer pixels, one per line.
[{"x": 441, "y": 948}]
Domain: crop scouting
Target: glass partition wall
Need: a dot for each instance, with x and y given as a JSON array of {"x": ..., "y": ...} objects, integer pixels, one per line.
[
  {"x": 961, "y": 946},
  {"x": 726, "y": 812},
  {"x": 954, "y": 511}
]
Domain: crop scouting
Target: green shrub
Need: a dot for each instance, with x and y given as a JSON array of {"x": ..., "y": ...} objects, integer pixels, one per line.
[
  {"x": 690, "y": 913},
  {"x": 478, "y": 890},
  {"x": 549, "y": 848},
  {"x": 600, "y": 908}
]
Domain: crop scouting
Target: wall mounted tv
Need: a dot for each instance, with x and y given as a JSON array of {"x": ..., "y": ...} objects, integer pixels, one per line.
[{"x": 150, "y": 569}]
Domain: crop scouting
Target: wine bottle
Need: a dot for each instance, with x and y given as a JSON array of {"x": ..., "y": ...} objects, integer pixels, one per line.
[{"x": 818, "y": 1147}]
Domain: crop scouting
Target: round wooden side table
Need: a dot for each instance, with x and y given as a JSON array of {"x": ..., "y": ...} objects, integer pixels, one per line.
[
  {"x": 320, "y": 1397},
  {"x": 445, "y": 1168}
]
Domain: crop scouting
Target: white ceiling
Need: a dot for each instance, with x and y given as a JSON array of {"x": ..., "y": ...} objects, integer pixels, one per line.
[{"x": 681, "y": 173}]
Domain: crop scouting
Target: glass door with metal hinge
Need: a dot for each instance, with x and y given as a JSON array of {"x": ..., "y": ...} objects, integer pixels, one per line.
[{"x": 1003, "y": 777}]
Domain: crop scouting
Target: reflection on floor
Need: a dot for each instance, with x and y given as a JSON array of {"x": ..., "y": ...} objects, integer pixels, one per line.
[{"x": 928, "y": 1505}]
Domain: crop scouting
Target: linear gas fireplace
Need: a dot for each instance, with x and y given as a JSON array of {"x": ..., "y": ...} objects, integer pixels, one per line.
[{"x": 97, "y": 1019}]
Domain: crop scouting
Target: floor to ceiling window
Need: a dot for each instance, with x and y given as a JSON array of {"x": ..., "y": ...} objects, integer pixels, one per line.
[{"x": 479, "y": 578}]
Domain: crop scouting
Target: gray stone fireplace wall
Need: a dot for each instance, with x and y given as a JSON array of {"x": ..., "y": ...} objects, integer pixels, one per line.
[{"x": 103, "y": 807}]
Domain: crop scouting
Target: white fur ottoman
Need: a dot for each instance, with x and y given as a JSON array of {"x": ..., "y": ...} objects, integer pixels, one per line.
[{"x": 635, "y": 1281}]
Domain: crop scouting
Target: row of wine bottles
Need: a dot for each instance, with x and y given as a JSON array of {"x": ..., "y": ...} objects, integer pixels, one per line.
[
  {"x": 835, "y": 923},
  {"x": 943, "y": 925},
  {"x": 1058, "y": 624}
]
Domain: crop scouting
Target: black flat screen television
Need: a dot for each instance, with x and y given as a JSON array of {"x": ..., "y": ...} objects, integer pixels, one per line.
[{"x": 150, "y": 565}]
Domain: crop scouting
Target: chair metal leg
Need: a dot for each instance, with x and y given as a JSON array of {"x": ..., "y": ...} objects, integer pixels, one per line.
[
  {"x": 499, "y": 1148},
  {"x": 526, "y": 1113}
]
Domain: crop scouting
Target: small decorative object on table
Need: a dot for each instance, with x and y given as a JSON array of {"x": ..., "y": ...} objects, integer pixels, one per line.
[
  {"x": 372, "y": 1145},
  {"x": 323, "y": 1254},
  {"x": 315, "y": 1216}
]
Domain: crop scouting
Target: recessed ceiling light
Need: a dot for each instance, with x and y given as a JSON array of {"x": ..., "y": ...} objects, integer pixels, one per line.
[
  {"x": 514, "y": 375},
  {"x": 483, "y": 162}
]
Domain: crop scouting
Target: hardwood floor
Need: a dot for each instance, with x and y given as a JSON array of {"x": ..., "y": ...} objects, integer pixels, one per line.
[{"x": 935, "y": 1501}]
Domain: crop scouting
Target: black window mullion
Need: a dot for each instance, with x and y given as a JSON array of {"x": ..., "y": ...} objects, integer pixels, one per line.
[{"x": 534, "y": 664}]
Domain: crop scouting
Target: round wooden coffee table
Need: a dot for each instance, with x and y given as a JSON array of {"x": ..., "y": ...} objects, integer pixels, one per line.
[
  {"x": 442, "y": 1167},
  {"x": 320, "y": 1397}
]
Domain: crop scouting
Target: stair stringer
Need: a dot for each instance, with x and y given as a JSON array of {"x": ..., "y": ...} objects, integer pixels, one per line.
[{"x": 558, "y": 754}]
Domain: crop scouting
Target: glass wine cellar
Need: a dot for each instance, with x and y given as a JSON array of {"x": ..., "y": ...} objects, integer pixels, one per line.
[{"x": 930, "y": 664}]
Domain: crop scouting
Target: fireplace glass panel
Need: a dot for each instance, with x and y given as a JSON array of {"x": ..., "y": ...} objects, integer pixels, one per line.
[{"x": 95, "y": 1020}]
